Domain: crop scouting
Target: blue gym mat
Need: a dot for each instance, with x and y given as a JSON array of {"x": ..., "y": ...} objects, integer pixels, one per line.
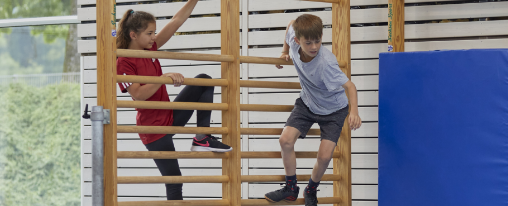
[{"x": 443, "y": 128}]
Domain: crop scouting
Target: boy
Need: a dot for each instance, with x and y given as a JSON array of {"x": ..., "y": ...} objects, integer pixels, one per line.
[{"x": 322, "y": 100}]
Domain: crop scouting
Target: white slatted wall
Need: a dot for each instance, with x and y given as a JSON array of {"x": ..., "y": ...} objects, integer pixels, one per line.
[{"x": 463, "y": 25}]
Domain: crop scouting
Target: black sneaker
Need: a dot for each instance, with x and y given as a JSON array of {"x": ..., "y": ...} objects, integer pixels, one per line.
[
  {"x": 286, "y": 193},
  {"x": 310, "y": 197},
  {"x": 209, "y": 144}
]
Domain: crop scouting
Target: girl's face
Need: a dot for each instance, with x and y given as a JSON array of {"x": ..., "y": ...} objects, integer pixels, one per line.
[{"x": 144, "y": 39}]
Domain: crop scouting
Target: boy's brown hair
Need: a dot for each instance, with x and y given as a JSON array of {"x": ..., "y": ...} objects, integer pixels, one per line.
[{"x": 308, "y": 26}]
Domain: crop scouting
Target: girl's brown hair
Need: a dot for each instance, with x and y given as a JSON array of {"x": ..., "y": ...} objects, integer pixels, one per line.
[
  {"x": 308, "y": 26},
  {"x": 136, "y": 21}
]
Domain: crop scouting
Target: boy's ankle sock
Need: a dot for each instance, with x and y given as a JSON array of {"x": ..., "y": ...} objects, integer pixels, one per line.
[
  {"x": 312, "y": 186},
  {"x": 291, "y": 182}
]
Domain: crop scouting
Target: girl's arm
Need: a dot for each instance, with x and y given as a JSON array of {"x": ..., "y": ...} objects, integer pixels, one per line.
[
  {"x": 180, "y": 17},
  {"x": 142, "y": 93}
]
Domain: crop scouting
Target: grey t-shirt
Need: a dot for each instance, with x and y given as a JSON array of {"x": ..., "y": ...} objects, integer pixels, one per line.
[{"x": 321, "y": 79}]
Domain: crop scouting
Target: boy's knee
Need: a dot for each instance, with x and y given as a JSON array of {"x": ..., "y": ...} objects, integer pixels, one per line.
[
  {"x": 286, "y": 141},
  {"x": 203, "y": 76},
  {"x": 324, "y": 158}
]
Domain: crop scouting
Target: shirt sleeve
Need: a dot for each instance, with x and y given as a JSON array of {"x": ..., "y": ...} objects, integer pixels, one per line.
[
  {"x": 124, "y": 67},
  {"x": 290, "y": 37},
  {"x": 333, "y": 77}
]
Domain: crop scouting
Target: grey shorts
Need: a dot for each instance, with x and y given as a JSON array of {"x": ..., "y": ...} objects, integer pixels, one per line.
[{"x": 330, "y": 125}]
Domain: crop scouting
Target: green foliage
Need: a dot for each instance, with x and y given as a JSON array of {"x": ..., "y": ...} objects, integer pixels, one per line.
[
  {"x": 40, "y": 145},
  {"x": 21, "y": 52},
  {"x": 11, "y": 9}
]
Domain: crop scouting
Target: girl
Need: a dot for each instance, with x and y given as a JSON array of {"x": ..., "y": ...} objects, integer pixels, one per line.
[{"x": 137, "y": 31}]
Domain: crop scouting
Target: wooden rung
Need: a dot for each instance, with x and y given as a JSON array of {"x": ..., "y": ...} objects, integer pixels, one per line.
[
  {"x": 171, "y": 105},
  {"x": 171, "y": 179},
  {"x": 279, "y": 61},
  {"x": 278, "y": 155},
  {"x": 270, "y": 84},
  {"x": 171, "y": 155},
  {"x": 206, "y": 155},
  {"x": 272, "y": 131},
  {"x": 325, "y": 1},
  {"x": 278, "y": 178},
  {"x": 174, "y": 55},
  {"x": 265, "y": 60},
  {"x": 168, "y": 80},
  {"x": 266, "y": 107},
  {"x": 177, "y": 203},
  {"x": 201, "y": 106},
  {"x": 171, "y": 130},
  {"x": 299, "y": 201}
]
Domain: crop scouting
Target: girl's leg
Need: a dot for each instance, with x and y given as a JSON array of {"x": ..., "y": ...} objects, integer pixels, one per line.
[
  {"x": 203, "y": 94},
  {"x": 167, "y": 167}
]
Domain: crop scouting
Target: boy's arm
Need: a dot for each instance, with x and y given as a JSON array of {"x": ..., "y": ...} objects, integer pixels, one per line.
[
  {"x": 285, "y": 48},
  {"x": 178, "y": 19},
  {"x": 354, "y": 119}
]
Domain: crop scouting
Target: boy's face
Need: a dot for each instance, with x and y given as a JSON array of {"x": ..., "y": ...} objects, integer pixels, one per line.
[
  {"x": 146, "y": 38},
  {"x": 309, "y": 47}
]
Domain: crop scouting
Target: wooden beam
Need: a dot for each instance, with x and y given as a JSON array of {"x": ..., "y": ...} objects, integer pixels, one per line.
[
  {"x": 222, "y": 202},
  {"x": 273, "y": 131},
  {"x": 299, "y": 201},
  {"x": 266, "y": 107},
  {"x": 106, "y": 92},
  {"x": 171, "y": 155},
  {"x": 325, "y": 1},
  {"x": 278, "y": 155},
  {"x": 395, "y": 25},
  {"x": 230, "y": 45},
  {"x": 341, "y": 47},
  {"x": 207, "y": 155},
  {"x": 171, "y": 105},
  {"x": 271, "y": 60},
  {"x": 201, "y": 106},
  {"x": 174, "y": 55},
  {"x": 264, "y": 60},
  {"x": 171, "y": 179},
  {"x": 168, "y": 80},
  {"x": 278, "y": 178},
  {"x": 171, "y": 130},
  {"x": 270, "y": 84}
]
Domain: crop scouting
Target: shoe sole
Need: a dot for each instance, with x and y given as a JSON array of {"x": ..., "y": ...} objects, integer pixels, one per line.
[
  {"x": 209, "y": 149},
  {"x": 272, "y": 201}
]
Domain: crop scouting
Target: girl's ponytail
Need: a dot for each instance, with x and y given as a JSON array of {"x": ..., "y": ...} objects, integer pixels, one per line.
[{"x": 135, "y": 21}]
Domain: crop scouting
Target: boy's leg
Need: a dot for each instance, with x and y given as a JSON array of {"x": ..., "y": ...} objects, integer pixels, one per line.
[
  {"x": 299, "y": 122},
  {"x": 325, "y": 154},
  {"x": 287, "y": 144},
  {"x": 331, "y": 127}
]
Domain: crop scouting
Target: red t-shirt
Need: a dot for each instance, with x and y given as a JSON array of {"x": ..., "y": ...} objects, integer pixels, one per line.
[{"x": 146, "y": 117}]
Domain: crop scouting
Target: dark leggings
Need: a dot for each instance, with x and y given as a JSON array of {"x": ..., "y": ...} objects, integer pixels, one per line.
[{"x": 170, "y": 167}]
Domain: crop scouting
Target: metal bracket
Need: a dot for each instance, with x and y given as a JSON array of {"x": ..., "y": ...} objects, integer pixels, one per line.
[{"x": 107, "y": 119}]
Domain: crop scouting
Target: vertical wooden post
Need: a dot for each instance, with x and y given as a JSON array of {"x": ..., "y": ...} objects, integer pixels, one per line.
[
  {"x": 341, "y": 47},
  {"x": 395, "y": 25},
  {"x": 230, "y": 45},
  {"x": 106, "y": 91}
]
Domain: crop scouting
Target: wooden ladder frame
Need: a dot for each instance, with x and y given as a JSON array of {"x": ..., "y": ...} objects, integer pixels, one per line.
[{"x": 230, "y": 81}]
